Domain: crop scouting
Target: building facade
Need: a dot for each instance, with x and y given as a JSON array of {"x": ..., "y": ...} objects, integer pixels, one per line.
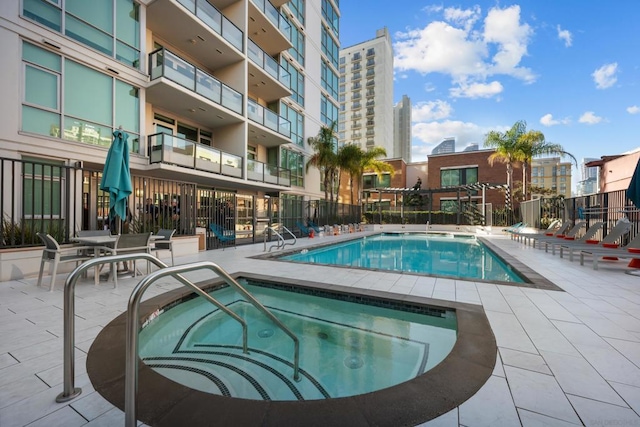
[
  {"x": 402, "y": 129},
  {"x": 366, "y": 94},
  {"x": 448, "y": 145},
  {"x": 588, "y": 183},
  {"x": 216, "y": 98},
  {"x": 552, "y": 173}
]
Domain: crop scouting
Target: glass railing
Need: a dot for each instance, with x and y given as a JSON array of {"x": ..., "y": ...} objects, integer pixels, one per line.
[
  {"x": 274, "y": 16},
  {"x": 163, "y": 63},
  {"x": 215, "y": 20},
  {"x": 268, "y": 118},
  {"x": 262, "y": 172},
  {"x": 267, "y": 63},
  {"x": 165, "y": 148}
]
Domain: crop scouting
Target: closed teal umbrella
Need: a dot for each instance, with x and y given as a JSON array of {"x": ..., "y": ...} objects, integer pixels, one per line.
[
  {"x": 116, "y": 176},
  {"x": 633, "y": 192}
]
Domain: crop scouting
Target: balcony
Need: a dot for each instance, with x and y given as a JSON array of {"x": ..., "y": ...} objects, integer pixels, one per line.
[
  {"x": 371, "y": 72},
  {"x": 371, "y": 62},
  {"x": 370, "y": 53},
  {"x": 356, "y": 96},
  {"x": 165, "y": 148},
  {"x": 356, "y": 106},
  {"x": 198, "y": 29},
  {"x": 181, "y": 87},
  {"x": 371, "y": 93},
  {"x": 273, "y": 130},
  {"x": 356, "y": 116},
  {"x": 267, "y": 79},
  {"x": 356, "y": 68},
  {"x": 356, "y": 76},
  {"x": 356, "y": 135},
  {"x": 268, "y": 28},
  {"x": 371, "y": 103},
  {"x": 357, "y": 125},
  {"x": 370, "y": 133},
  {"x": 371, "y": 83},
  {"x": 356, "y": 86},
  {"x": 262, "y": 172},
  {"x": 370, "y": 112}
]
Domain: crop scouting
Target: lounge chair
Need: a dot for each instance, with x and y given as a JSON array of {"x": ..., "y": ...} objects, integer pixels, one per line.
[
  {"x": 614, "y": 234},
  {"x": 630, "y": 250},
  {"x": 587, "y": 236},
  {"x": 567, "y": 235},
  {"x": 223, "y": 236},
  {"x": 315, "y": 226},
  {"x": 513, "y": 228},
  {"x": 555, "y": 228},
  {"x": 306, "y": 230}
]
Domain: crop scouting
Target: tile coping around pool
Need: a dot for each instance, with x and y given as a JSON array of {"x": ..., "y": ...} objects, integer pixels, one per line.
[
  {"x": 162, "y": 402},
  {"x": 533, "y": 279}
]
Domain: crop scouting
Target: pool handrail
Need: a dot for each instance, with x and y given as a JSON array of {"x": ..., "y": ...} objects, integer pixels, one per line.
[
  {"x": 281, "y": 243},
  {"x": 69, "y": 391},
  {"x": 131, "y": 357}
]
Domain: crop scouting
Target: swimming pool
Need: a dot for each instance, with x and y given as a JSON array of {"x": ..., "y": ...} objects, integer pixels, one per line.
[
  {"x": 164, "y": 402},
  {"x": 440, "y": 254},
  {"x": 346, "y": 348}
]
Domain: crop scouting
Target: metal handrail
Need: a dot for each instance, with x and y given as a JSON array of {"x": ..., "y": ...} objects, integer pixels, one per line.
[
  {"x": 281, "y": 243},
  {"x": 131, "y": 367},
  {"x": 69, "y": 390}
]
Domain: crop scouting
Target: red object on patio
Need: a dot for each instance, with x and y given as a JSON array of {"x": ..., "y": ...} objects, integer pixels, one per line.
[
  {"x": 635, "y": 262},
  {"x": 548, "y": 234},
  {"x": 569, "y": 238},
  {"x": 560, "y": 236},
  {"x": 592, "y": 242},
  {"x": 610, "y": 245}
]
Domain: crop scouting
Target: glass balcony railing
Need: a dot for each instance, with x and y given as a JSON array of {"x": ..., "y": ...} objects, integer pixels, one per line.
[
  {"x": 268, "y": 118},
  {"x": 274, "y": 16},
  {"x": 267, "y": 63},
  {"x": 163, "y": 63},
  {"x": 215, "y": 20},
  {"x": 262, "y": 172},
  {"x": 165, "y": 148}
]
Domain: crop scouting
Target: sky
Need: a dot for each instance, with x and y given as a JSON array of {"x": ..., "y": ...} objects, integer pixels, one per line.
[{"x": 568, "y": 68}]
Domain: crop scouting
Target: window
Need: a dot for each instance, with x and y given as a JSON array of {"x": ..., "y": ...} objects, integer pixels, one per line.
[
  {"x": 297, "y": 123},
  {"x": 331, "y": 17},
  {"x": 297, "y": 81},
  {"x": 330, "y": 48},
  {"x": 89, "y": 119},
  {"x": 295, "y": 163},
  {"x": 297, "y": 40},
  {"x": 375, "y": 181},
  {"x": 449, "y": 205},
  {"x": 328, "y": 111},
  {"x": 455, "y": 177},
  {"x": 329, "y": 80},
  {"x": 43, "y": 184},
  {"x": 563, "y": 170},
  {"x": 108, "y": 26},
  {"x": 297, "y": 8}
]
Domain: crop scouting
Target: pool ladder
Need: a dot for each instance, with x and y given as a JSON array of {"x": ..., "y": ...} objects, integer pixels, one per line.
[
  {"x": 281, "y": 243},
  {"x": 133, "y": 326}
]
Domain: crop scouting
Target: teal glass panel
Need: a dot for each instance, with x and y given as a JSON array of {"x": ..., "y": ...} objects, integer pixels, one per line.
[
  {"x": 128, "y": 22},
  {"x": 127, "y": 54},
  {"x": 88, "y": 35},
  {"x": 42, "y": 197},
  {"x": 41, "y": 57},
  {"x": 472, "y": 176},
  {"x": 40, "y": 122},
  {"x": 43, "y": 12},
  {"x": 127, "y": 107},
  {"x": 83, "y": 131},
  {"x": 88, "y": 94},
  {"x": 41, "y": 87},
  {"x": 97, "y": 13}
]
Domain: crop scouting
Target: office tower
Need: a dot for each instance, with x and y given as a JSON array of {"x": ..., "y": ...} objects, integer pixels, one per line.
[
  {"x": 366, "y": 93},
  {"x": 448, "y": 145},
  {"x": 402, "y": 129}
]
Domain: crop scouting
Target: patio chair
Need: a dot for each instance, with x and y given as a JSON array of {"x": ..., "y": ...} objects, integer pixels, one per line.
[
  {"x": 630, "y": 250},
  {"x": 567, "y": 235},
  {"x": 556, "y": 227},
  {"x": 588, "y": 235},
  {"x": 56, "y": 255},
  {"x": 304, "y": 230},
  {"x": 131, "y": 244},
  {"x": 223, "y": 236},
  {"x": 614, "y": 234},
  {"x": 165, "y": 243}
]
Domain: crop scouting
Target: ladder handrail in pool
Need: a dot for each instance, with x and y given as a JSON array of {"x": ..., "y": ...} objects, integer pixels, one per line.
[
  {"x": 281, "y": 241},
  {"x": 69, "y": 391},
  {"x": 131, "y": 357}
]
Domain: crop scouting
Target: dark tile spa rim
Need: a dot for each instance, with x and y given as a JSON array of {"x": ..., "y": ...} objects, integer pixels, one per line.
[{"x": 162, "y": 402}]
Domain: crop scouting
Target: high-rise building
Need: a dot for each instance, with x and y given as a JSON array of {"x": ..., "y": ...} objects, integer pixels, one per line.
[
  {"x": 448, "y": 145},
  {"x": 551, "y": 173},
  {"x": 471, "y": 147},
  {"x": 588, "y": 183},
  {"x": 366, "y": 93},
  {"x": 402, "y": 129},
  {"x": 218, "y": 97}
]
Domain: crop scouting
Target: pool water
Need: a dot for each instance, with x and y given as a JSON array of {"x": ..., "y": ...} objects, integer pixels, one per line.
[
  {"x": 346, "y": 348},
  {"x": 451, "y": 255}
]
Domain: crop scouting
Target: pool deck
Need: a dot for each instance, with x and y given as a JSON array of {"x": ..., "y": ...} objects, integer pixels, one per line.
[{"x": 565, "y": 358}]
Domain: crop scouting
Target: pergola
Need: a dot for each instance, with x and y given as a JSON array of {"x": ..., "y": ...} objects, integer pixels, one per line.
[{"x": 478, "y": 186}]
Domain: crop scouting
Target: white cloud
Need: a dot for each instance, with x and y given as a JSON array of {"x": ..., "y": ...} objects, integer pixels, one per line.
[
  {"x": 548, "y": 120},
  {"x": 634, "y": 109},
  {"x": 476, "y": 90},
  {"x": 427, "y": 135},
  {"x": 431, "y": 110},
  {"x": 565, "y": 35},
  {"x": 469, "y": 56},
  {"x": 590, "y": 118},
  {"x": 605, "y": 76}
]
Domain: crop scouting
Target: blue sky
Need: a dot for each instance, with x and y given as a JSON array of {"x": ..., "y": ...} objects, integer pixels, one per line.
[{"x": 569, "y": 68}]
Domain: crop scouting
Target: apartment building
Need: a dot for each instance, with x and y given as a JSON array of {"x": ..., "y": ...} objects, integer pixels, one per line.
[
  {"x": 447, "y": 145},
  {"x": 366, "y": 94},
  {"x": 402, "y": 129},
  {"x": 218, "y": 98},
  {"x": 552, "y": 173}
]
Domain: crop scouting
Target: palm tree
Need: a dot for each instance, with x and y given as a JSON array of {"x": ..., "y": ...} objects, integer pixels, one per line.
[
  {"x": 324, "y": 158},
  {"x": 533, "y": 144},
  {"x": 355, "y": 161},
  {"x": 506, "y": 145}
]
